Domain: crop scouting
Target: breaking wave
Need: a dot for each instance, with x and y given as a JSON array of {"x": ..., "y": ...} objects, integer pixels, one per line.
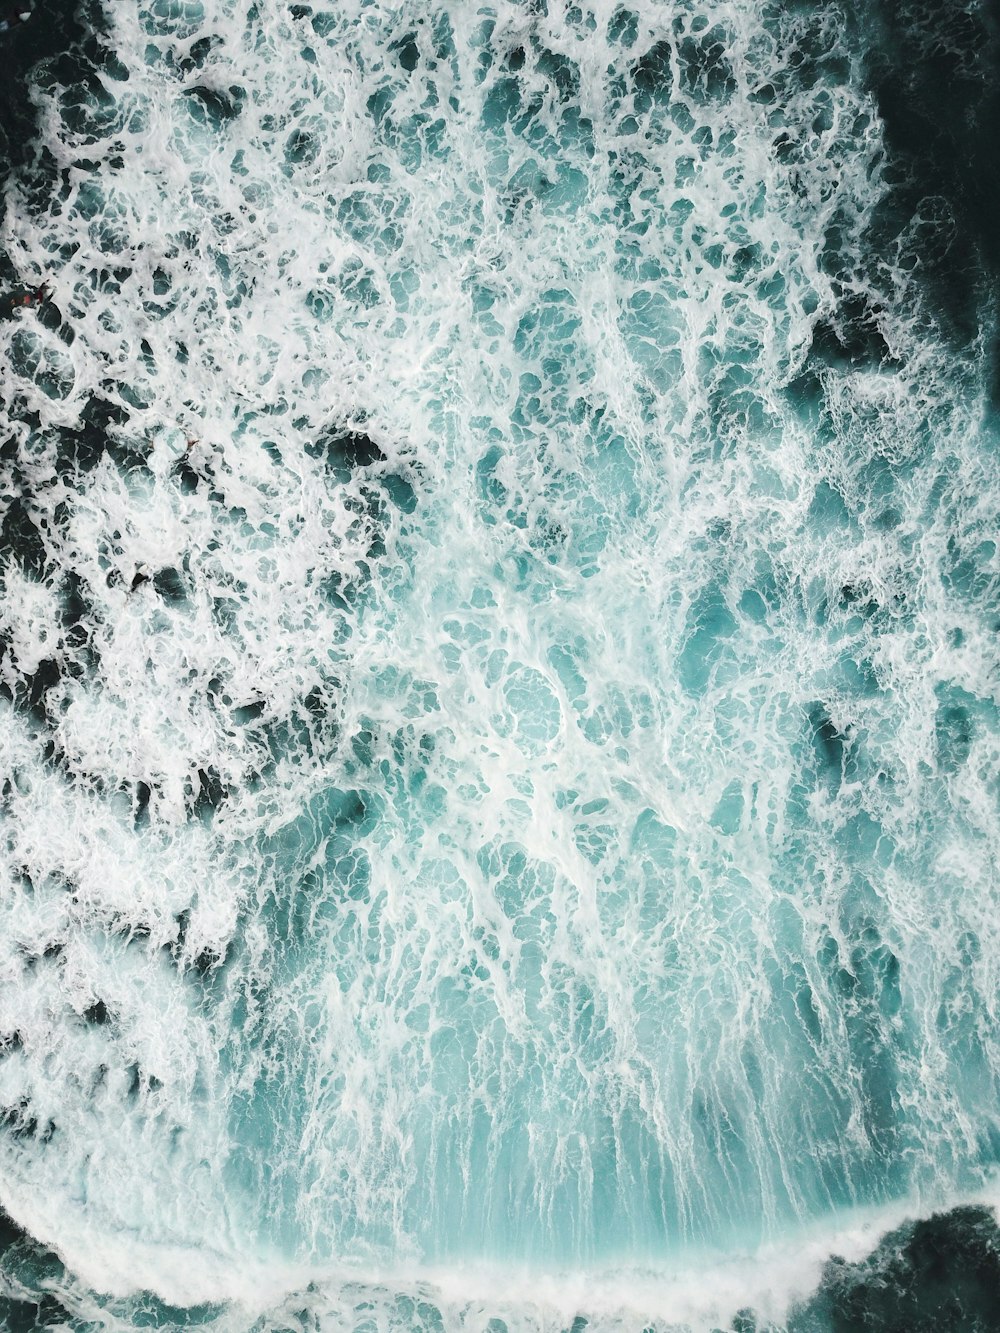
[{"x": 499, "y": 667}]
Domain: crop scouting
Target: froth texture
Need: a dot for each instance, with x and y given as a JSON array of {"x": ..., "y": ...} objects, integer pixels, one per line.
[{"x": 499, "y": 616}]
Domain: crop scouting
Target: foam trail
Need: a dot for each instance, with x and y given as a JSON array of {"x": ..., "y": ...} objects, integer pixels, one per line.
[{"x": 499, "y": 669}]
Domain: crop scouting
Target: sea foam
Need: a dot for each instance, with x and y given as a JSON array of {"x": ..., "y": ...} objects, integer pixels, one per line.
[{"x": 500, "y": 671}]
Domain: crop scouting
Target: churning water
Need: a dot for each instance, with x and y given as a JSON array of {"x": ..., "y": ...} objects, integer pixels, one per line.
[{"x": 499, "y": 729}]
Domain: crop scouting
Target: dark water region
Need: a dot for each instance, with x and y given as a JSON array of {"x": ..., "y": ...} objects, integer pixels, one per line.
[
  {"x": 934, "y": 69},
  {"x": 25, "y": 1270},
  {"x": 32, "y": 1280},
  {"x": 938, "y": 1275},
  {"x": 64, "y": 33}
]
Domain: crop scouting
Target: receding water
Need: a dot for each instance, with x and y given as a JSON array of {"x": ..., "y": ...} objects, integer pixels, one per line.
[{"x": 499, "y": 732}]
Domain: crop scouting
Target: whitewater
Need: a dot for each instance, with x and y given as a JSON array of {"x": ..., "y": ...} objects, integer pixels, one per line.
[{"x": 499, "y": 723}]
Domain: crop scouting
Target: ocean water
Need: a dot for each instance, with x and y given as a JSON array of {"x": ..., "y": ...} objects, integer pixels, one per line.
[{"x": 499, "y": 723}]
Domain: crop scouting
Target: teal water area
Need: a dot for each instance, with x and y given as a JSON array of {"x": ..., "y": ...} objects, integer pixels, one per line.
[{"x": 499, "y": 677}]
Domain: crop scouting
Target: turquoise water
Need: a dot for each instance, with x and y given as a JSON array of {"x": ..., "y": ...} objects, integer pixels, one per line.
[{"x": 524, "y": 850}]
